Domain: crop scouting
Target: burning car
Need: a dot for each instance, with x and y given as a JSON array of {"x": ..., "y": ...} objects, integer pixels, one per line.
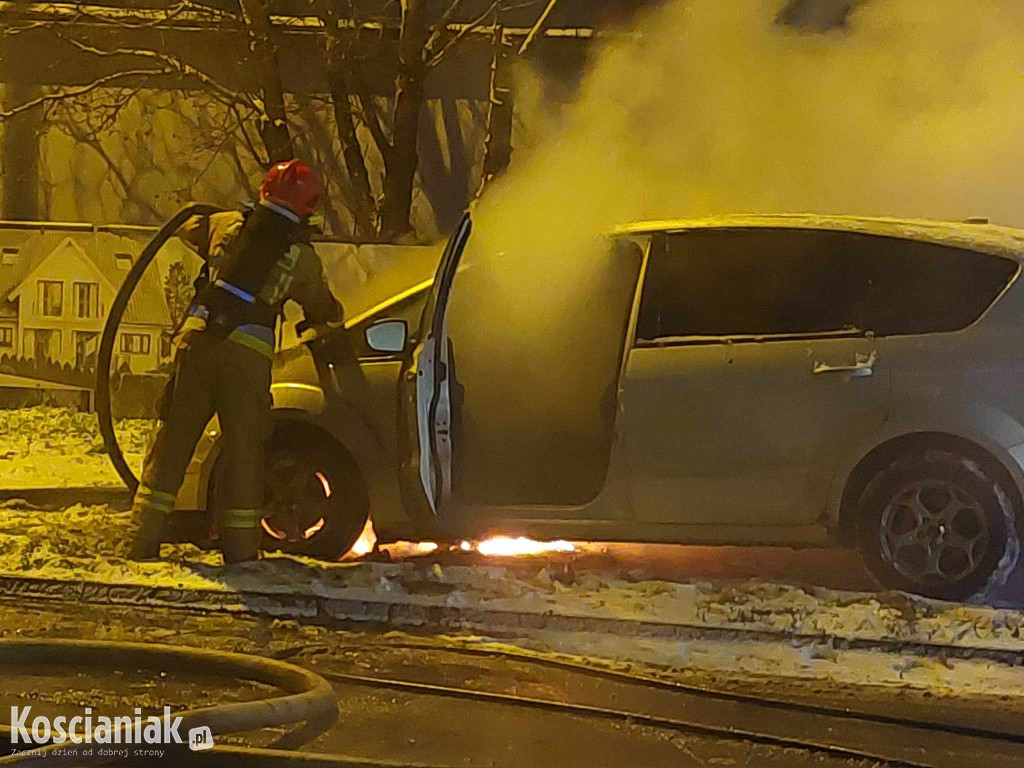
[{"x": 784, "y": 380}]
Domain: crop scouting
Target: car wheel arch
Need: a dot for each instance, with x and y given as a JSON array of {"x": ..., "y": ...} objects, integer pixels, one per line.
[{"x": 884, "y": 453}]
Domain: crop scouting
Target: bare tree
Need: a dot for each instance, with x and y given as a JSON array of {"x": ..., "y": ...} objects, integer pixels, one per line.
[
  {"x": 178, "y": 291},
  {"x": 259, "y": 117},
  {"x": 270, "y": 97},
  {"x": 378, "y": 135},
  {"x": 155, "y": 149},
  {"x": 422, "y": 46}
]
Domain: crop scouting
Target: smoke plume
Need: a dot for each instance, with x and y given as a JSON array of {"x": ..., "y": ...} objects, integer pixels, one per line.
[{"x": 710, "y": 106}]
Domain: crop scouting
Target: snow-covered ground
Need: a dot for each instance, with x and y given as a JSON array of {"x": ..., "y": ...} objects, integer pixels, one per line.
[
  {"x": 85, "y": 544},
  {"x": 707, "y": 659},
  {"x": 59, "y": 447},
  {"x": 47, "y": 447}
]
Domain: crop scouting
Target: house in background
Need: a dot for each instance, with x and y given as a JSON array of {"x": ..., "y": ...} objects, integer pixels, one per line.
[
  {"x": 8, "y": 310},
  {"x": 57, "y": 283}
]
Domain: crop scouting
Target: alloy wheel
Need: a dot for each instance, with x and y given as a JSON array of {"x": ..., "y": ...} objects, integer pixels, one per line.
[
  {"x": 934, "y": 531},
  {"x": 296, "y": 501}
]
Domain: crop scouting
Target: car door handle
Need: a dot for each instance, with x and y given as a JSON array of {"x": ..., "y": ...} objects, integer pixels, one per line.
[{"x": 863, "y": 367}]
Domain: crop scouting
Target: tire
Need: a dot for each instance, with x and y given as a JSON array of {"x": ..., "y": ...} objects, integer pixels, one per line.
[
  {"x": 315, "y": 501},
  {"x": 935, "y": 523}
]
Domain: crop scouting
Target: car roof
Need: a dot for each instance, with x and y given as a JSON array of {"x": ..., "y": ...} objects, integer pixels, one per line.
[{"x": 980, "y": 236}]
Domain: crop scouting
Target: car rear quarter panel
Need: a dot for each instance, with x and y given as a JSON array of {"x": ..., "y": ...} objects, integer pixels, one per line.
[{"x": 968, "y": 384}]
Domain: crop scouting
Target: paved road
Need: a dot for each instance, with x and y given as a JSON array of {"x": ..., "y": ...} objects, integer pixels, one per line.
[{"x": 380, "y": 724}]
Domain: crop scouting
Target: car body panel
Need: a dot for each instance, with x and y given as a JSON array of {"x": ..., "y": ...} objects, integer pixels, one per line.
[
  {"x": 610, "y": 502},
  {"x": 965, "y": 384},
  {"x": 747, "y": 433}
]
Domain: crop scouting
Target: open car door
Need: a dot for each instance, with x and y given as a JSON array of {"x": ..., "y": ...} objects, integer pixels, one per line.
[{"x": 425, "y": 408}]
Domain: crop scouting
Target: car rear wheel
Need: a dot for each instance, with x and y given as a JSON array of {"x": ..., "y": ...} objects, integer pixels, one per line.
[
  {"x": 937, "y": 524},
  {"x": 314, "y": 501}
]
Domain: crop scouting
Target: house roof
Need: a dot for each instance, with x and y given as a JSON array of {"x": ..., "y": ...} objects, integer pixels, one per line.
[{"x": 148, "y": 304}]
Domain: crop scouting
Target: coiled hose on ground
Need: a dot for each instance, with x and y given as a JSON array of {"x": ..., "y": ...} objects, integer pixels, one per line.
[{"x": 307, "y": 699}]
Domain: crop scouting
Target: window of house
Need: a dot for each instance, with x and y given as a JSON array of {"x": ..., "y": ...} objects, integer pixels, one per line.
[
  {"x": 87, "y": 300},
  {"x": 6, "y": 336},
  {"x": 8, "y": 256},
  {"x": 86, "y": 348},
  {"x": 797, "y": 282},
  {"x": 50, "y": 298},
  {"x": 124, "y": 260},
  {"x": 135, "y": 343},
  {"x": 46, "y": 343}
]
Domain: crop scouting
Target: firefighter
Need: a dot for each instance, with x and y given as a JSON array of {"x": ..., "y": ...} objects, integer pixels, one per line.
[{"x": 224, "y": 350}]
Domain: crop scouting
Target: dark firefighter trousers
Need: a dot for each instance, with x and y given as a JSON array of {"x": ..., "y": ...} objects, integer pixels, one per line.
[{"x": 232, "y": 380}]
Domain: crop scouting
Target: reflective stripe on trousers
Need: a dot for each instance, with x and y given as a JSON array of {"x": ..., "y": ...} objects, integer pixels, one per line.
[
  {"x": 149, "y": 499},
  {"x": 240, "y": 518},
  {"x": 233, "y": 381}
]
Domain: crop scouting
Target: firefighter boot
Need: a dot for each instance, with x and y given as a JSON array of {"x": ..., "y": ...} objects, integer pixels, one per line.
[
  {"x": 240, "y": 544},
  {"x": 147, "y": 540}
]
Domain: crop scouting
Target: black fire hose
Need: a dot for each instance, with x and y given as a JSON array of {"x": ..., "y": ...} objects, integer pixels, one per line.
[
  {"x": 309, "y": 698},
  {"x": 117, "y": 309}
]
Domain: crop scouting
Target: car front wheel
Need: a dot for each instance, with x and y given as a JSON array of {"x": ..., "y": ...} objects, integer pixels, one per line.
[
  {"x": 314, "y": 501},
  {"x": 935, "y": 523}
]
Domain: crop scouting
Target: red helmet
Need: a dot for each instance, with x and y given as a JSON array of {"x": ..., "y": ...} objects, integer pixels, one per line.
[{"x": 293, "y": 185}]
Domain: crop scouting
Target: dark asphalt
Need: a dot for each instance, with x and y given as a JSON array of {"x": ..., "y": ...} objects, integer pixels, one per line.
[{"x": 383, "y": 724}]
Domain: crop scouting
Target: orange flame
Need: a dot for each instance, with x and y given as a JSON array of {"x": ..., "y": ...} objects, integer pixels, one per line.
[
  {"x": 364, "y": 544},
  {"x": 313, "y": 528},
  {"x": 270, "y": 531},
  {"x": 493, "y": 546},
  {"x": 506, "y": 546}
]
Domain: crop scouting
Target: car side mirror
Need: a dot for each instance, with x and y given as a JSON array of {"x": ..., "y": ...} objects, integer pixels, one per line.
[{"x": 387, "y": 336}]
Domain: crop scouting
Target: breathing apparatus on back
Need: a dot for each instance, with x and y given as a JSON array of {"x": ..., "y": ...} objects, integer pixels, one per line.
[{"x": 289, "y": 195}]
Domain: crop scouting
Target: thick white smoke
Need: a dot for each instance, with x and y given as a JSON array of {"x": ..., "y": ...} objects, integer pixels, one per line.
[{"x": 709, "y": 106}]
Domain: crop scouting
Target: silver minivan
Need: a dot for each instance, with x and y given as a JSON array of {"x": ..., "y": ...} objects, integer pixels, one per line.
[{"x": 793, "y": 379}]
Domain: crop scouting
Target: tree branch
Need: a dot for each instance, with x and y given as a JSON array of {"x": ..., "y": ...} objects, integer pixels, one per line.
[
  {"x": 185, "y": 13},
  {"x": 370, "y": 113},
  {"x": 11, "y": 31},
  {"x": 441, "y": 28},
  {"x": 126, "y": 187},
  {"x": 538, "y": 26},
  {"x": 70, "y": 93},
  {"x": 161, "y": 16},
  {"x": 171, "y": 63},
  {"x": 263, "y": 161},
  {"x": 241, "y": 176},
  {"x": 98, "y": 111},
  {"x": 434, "y": 60}
]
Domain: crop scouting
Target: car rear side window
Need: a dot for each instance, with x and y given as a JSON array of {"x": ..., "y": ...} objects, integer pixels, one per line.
[
  {"x": 917, "y": 287},
  {"x": 793, "y": 282}
]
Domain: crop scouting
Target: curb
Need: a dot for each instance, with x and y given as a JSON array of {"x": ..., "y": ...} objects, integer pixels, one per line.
[{"x": 338, "y": 611}]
